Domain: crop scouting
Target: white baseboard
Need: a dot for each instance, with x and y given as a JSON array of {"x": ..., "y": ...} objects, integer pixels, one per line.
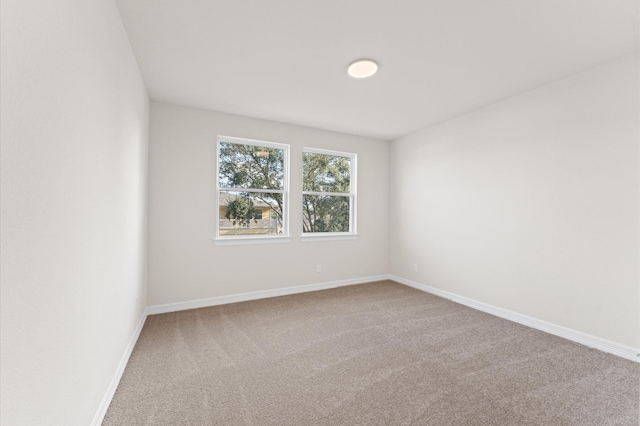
[
  {"x": 254, "y": 295},
  {"x": 111, "y": 390},
  {"x": 604, "y": 345}
]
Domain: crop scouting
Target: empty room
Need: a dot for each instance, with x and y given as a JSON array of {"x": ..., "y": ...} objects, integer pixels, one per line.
[{"x": 320, "y": 212}]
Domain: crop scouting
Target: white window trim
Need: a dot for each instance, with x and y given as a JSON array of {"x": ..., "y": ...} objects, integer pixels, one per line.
[
  {"x": 328, "y": 236},
  {"x": 252, "y": 239},
  {"x": 353, "y": 187},
  {"x": 235, "y": 240}
]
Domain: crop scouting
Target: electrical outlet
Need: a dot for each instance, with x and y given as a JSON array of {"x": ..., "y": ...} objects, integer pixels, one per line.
[
  {"x": 415, "y": 267},
  {"x": 319, "y": 268}
]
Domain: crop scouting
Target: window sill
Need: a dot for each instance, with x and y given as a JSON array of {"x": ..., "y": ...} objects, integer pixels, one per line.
[
  {"x": 329, "y": 236},
  {"x": 249, "y": 240}
]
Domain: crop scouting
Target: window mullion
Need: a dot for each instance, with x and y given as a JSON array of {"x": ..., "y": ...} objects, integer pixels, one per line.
[
  {"x": 327, "y": 194},
  {"x": 267, "y": 191}
]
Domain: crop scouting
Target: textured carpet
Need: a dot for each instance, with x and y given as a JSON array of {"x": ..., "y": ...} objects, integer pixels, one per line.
[{"x": 370, "y": 354}]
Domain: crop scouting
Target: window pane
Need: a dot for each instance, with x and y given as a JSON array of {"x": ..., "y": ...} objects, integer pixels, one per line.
[
  {"x": 325, "y": 173},
  {"x": 325, "y": 213},
  {"x": 250, "y": 166},
  {"x": 250, "y": 213}
]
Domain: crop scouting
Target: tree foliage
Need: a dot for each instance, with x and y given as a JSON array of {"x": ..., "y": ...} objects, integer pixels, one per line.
[
  {"x": 240, "y": 211},
  {"x": 325, "y": 213},
  {"x": 325, "y": 173}
]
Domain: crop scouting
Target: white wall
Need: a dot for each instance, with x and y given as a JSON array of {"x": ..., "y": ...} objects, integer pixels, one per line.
[
  {"x": 531, "y": 204},
  {"x": 184, "y": 263},
  {"x": 74, "y": 130}
]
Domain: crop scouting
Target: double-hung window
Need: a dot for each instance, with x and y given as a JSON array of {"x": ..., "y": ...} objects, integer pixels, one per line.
[
  {"x": 252, "y": 189},
  {"x": 328, "y": 193}
]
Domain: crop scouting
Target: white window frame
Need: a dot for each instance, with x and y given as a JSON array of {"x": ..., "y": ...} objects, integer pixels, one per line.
[
  {"x": 252, "y": 239},
  {"x": 352, "y": 234}
]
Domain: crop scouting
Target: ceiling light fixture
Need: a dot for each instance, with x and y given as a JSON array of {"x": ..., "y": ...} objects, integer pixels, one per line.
[{"x": 362, "y": 68}]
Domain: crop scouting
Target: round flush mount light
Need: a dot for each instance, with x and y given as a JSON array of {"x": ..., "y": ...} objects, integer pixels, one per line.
[{"x": 362, "y": 68}]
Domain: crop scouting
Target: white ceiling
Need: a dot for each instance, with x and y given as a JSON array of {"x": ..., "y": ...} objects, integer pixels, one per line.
[{"x": 286, "y": 60}]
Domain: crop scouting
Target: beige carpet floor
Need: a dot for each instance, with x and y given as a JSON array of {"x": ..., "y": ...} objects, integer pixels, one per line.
[{"x": 371, "y": 354}]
